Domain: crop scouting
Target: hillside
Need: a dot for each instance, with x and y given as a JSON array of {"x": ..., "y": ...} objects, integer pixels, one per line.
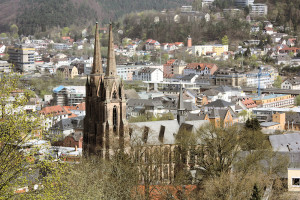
[{"x": 33, "y": 16}]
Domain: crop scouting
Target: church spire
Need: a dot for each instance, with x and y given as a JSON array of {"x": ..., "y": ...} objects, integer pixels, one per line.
[
  {"x": 180, "y": 108},
  {"x": 97, "y": 63},
  {"x": 180, "y": 100},
  {"x": 111, "y": 61}
]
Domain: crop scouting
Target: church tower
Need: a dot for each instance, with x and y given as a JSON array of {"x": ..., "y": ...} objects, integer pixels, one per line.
[{"x": 105, "y": 125}]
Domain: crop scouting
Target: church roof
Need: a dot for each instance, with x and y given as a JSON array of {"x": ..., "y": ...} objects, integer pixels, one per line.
[{"x": 155, "y": 130}]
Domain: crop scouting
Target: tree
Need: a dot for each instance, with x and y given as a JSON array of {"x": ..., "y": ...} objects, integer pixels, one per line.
[
  {"x": 14, "y": 30},
  {"x": 277, "y": 82},
  {"x": 252, "y": 124},
  {"x": 225, "y": 40},
  {"x": 19, "y": 167},
  {"x": 65, "y": 31},
  {"x": 297, "y": 100},
  {"x": 3, "y": 35}
]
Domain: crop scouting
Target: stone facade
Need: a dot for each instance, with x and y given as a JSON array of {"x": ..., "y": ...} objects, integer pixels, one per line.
[{"x": 105, "y": 125}]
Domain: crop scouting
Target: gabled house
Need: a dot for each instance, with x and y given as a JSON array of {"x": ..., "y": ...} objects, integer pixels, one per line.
[
  {"x": 200, "y": 68},
  {"x": 291, "y": 83},
  {"x": 152, "y": 45}
]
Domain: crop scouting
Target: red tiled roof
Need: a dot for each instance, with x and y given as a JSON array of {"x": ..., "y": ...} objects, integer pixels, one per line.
[
  {"x": 81, "y": 106},
  {"x": 201, "y": 65},
  {"x": 170, "y": 62},
  {"x": 55, "y": 110},
  {"x": 248, "y": 102}
]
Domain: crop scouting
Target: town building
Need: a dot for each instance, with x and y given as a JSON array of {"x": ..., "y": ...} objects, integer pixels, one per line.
[
  {"x": 125, "y": 72},
  {"x": 243, "y": 3},
  {"x": 291, "y": 83},
  {"x": 259, "y": 9},
  {"x": 230, "y": 77},
  {"x": 218, "y": 49},
  {"x": 174, "y": 66},
  {"x": 200, "y": 69},
  {"x": 274, "y": 100},
  {"x": 22, "y": 57},
  {"x": 148, "y": 74},
  {"x": 68, "y": 95}
]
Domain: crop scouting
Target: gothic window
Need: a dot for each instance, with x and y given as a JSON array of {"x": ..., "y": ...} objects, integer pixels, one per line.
[
  {"x": 115, "y": 119},
  {"x": 114, "y": 95}
]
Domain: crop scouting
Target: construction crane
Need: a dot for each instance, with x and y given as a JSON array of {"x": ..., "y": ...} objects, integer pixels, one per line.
[{"x": 258, "y": 85}]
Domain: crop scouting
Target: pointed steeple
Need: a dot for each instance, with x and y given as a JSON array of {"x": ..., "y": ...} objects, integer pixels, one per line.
[
  {"x": 180, "y": 100},
  {"x": 97, "y": 63},
  {"x": 180, "y": 108},
  {"x": 111, "y": 61}
]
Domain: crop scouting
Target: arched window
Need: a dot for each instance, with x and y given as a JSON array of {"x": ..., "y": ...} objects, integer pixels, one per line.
[
  {"x": 114, "y": 95},
  {"x": 115, "y": 119}
]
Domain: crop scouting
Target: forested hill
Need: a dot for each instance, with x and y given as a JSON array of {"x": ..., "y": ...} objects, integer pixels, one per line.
[{"x": 33, "y": 16}]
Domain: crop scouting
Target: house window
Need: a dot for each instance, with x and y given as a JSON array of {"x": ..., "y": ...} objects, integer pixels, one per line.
[
  {"x": 115, "y": 121},
  {"x": 296, "y": 182}
]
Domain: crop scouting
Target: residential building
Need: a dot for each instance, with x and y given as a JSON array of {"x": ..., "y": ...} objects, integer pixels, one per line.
[
  {"x": 148, "y": 74},
  {"x": 152, "y": 45},
  {"x": 230, "y": 77},
  {"x": 200, "y": 68},
  {"x": 5, "y": 67},
  {"x": 69, "y": 72},
  {"x": 264, "y": 79},
  {"x": 291, "y": 83},
  {"x": 259, "y": 9},
  {"x": 218, "y": 49},
  {"x": 126, "y": 71},
  {"x": 274, "y": 100},
  {"x": 294, "y": 178},
  {"x": 243, "y": 3},
  {"x": 207, "y": 3},
  {"x": 2, "y": 48},
  {"x": 174, "y": 66},
  {"x": 68, "y": 95},
  {"x": 22, "y": 57}
]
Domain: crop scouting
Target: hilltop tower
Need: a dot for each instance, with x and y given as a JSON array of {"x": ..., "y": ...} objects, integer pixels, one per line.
[{"x": 105, "y": 125}]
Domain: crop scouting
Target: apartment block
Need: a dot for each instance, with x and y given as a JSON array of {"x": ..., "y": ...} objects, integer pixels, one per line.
[{"x": 22, "y": 57}]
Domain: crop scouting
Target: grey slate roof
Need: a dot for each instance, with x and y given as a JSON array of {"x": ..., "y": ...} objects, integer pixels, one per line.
[
  {"x": 286, "y": 142},
  {"x": 171, "y": 129},
  {"x": 267, "y": 124},
  {"x": 211, "y": 92},
  {"x": 70, "y": 123},
  {"x": 219, "y": 103}
]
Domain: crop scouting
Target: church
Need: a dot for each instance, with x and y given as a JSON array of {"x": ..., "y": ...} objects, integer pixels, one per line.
[{"x": 106, "y": 129}]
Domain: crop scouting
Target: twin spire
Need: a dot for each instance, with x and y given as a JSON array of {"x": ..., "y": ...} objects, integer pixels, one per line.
[{"x": 111, "y": 61}]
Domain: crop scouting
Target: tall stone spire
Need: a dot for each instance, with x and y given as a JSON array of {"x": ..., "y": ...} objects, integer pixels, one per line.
[
  {"x": 180, "y": 108},
  {"x": 111, "y": 61},
  {"x": 97, "y": 63}
]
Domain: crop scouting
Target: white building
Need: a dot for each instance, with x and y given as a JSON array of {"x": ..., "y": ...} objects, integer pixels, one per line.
[
  {"x": 2, "y": 49},
  {"x": 259, "y": 9},
  {"x": 243, "y": 3},
  {"x": 148, "y": 74},
  {"x": 125, "y": 71},
  {"x": 265, "y": 80},
  {"x": 291, "y": 83},
  {"x": 207, "y": 2}
]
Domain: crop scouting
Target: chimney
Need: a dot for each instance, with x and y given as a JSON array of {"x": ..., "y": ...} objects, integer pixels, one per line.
[{"x": 189, "y": 42}]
